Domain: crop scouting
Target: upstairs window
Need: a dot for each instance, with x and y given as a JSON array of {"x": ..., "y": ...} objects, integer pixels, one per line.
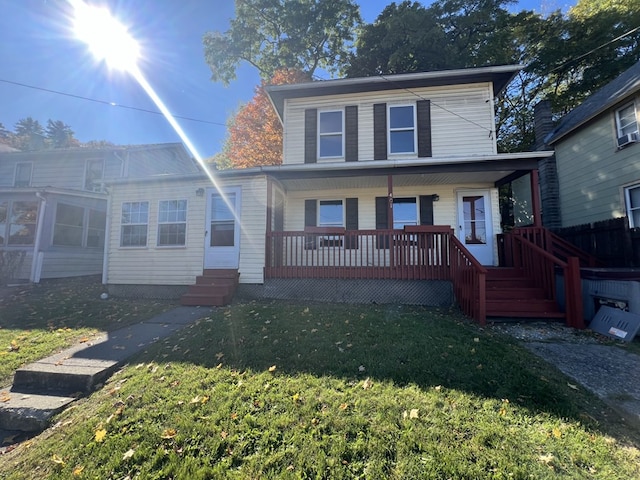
[
  {"x": 330, "y": 134},
  {"x": 22, "y": 177},
  {"x": 627, "y": 125},
  {"x": 94, "y": 174},
  {"x": 402, "y": 130},
  {"x": 632, "y": 200},
  {"x": 172, "y": 223},
  {"x": 134, "y": 221}
]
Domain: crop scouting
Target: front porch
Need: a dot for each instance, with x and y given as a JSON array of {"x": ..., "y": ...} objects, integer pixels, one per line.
[{"x": 524, "y": 285}]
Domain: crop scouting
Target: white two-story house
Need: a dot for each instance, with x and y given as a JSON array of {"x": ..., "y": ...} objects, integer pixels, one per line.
[{"x": 388, "y": 192}]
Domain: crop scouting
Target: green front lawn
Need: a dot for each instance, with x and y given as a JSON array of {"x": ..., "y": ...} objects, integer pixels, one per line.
[
  {"x": 284, "y": 390},
  {"x": 40, "y": 319}
]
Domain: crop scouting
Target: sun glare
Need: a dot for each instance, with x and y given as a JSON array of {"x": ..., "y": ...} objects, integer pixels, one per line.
[{"x": 106, "y": 37}]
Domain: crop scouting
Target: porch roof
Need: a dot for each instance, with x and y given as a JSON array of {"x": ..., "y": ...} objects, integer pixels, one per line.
[{"x": 421, "y": 171}]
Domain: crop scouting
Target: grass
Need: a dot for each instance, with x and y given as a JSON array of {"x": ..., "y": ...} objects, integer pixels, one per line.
[
  {"x": 283, "y": 390},
  {"x": 38, "y": 320}
]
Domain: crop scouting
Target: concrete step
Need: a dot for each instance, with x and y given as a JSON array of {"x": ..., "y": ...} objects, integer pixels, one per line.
[{"x": 30, "y": 412}]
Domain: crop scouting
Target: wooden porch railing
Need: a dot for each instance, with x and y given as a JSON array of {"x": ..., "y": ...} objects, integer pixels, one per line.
[
  {"x": 469, "y": 281},
  {"x": 414, "y": 253},
  {"x": 557, "y": 246},
  {"x": 540, "y": 266}
]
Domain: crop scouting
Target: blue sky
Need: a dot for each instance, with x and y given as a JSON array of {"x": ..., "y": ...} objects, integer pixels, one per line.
[{"x": 38, "y": 49}]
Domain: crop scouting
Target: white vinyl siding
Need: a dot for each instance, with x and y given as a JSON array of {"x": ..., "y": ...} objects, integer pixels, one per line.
[
  {"x": 592, "y": 172},
  {"x": 170, "y": 266},
  {"x": 462, "y": 121}
]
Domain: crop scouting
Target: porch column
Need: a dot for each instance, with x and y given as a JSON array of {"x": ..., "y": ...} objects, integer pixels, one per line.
[
  {"x": 535, "y": 199},
  {"x": 269, "y": 223}
]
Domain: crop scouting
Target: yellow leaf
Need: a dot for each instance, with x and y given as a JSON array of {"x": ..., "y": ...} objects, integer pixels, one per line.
[
  {"x": 128, "y": 454},
  {"x": 224, "y": 434},
  {"x": 557, "y": 433},
  {"x": 57, "y": 459},
  {"x": 413, "y": 413},
  {"x": 4, "y": 397},
  {"x": 77, "y": 471},
  {"x": 100, "y": 434},
  {"x": 272, "y": 368},
  {"x": 196, "y": 399},
  {"x": 169, "y": 433},
  {"x": 295, "y": 397},
  {"x": 367, "y": 384},
  {"x": 344, "y": 406}
]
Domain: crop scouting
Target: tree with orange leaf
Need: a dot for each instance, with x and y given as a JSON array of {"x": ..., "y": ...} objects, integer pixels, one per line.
[{"x": 254, "y": 135}]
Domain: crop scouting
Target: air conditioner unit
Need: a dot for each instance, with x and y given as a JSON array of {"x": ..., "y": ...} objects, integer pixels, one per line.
[{"x": 627, "y": 139}]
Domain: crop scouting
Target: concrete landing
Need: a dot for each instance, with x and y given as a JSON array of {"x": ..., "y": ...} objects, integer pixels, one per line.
[{"x": 44, "y": 388}]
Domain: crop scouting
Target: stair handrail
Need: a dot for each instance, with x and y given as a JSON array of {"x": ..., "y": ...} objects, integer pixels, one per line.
[
  {"x": 531, "y": 259},
  {"x": 469, "y": 279},
  {"x": 557, "y": 245}
]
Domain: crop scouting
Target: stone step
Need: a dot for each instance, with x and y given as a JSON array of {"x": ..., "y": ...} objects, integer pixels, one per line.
[{"x": 30, "y": 412}]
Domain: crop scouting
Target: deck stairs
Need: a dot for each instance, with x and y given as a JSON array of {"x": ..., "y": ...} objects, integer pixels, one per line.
[
  {"x": 215, "y": 287},
  {"x": 510, "y": 293}
]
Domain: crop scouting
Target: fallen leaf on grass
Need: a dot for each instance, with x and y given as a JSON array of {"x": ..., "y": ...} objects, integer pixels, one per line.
[
  {"x": 169, "y": 433},
  {"x": 557, "y": 433},
  {"x": 224, "y": 434},
  {"x": 77, "y": 471},
  {"x": 413, "y": 413},
  {"x": 128, "y": 454},
  {"x": 4, "y": 397},
  {"x": 57, "y": 460},
  {"x": 100, "y": 435},
  {"x": 272, "y": 368},
  {"x": 14, "y": 347},
  {"x": 344, "y": 406},
  {"x": 367, "y": 384},
  {"x": 199, "y": 399},
  {"x": 571, "y": 385}
]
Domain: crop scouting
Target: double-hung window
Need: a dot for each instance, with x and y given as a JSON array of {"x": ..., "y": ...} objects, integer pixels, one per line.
[
  {"x": 172, "y": 223},
  {"x": 627, "y": 124},
  {"x": 405, "y": 212},
  {"x": 134, "y": 224},
  {"x": 330, "y": 134},
  {"x": 330, "y": 214},
  {"x": 402, "y": 129},
  {"x": 18, "y": 222},
  {"x": 94, "y": 174},
  {"x": 632, "y": 200},
  {"x": 22, "y": 177}
]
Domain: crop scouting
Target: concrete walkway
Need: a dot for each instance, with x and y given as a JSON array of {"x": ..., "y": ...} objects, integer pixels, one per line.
[
  {"x": 46, "y": 387},
  {"x": 595, "y": 363}
]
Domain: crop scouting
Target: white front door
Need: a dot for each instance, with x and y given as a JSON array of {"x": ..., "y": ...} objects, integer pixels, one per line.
[
  {"x": 475, "y": 224},
  {"x": 222, "y": 238}
]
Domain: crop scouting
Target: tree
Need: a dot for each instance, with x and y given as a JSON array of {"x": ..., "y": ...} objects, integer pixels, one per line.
[
  {"x": 255, "y": 133},
  {"x": 302, "y": 35},
  {"x": 29, "y": 134},
  {"x": 59, "y": 134}
]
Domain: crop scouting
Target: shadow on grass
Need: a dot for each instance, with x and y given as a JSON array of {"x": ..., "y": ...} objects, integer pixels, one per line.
[
  {"x": 398, "y": 344},
  {"x": 71, "y": 303}
]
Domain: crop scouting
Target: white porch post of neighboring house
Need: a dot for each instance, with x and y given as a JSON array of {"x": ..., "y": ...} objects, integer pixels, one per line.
[{"x": 36, "y": 262}]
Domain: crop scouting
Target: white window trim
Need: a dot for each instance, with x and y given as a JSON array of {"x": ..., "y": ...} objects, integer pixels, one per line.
[
  {"x": 627, "y": 204},
  {"x": 15, "y": 174},
  {"x": 138, "y": 247},
  {"x": 617, "y": 115},
  {"x": 415, "y": 128},
  {"x": 342, "y": 134},
  {"x": 86, "y": 169},
  {"x": 172, "y": 223}
]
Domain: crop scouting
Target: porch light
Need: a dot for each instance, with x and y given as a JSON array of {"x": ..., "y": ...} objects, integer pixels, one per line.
[
  {"x": 200, "y": 192},
  {"x": 435, "y": 197}
]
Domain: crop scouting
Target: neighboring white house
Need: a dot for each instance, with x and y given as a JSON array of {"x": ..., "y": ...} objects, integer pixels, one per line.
[
  {"x": 53, "y": 205},
  {"x": 376, "y": 173}
]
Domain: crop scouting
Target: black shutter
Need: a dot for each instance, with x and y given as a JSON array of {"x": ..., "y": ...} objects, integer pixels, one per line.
[
  {"x": 424, "y": 128},
  {"x": 426, "y": 210},
  {"x": 310, "y": 135},
  {"x": 351, "y": 223},
  {"x": 382, "y": 221},
  {"x": 351, "y": 134},
  {"x": 310, "y": 217},
  {"x": 380, "y": 131}
]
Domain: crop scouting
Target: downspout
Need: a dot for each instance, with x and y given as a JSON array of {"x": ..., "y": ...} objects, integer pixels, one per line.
[
  {"x": 36, "y": 263},
  {"x": 107, "y": 238}
]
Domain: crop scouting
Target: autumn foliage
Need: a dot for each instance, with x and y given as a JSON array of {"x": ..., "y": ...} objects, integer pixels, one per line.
[{"x": 255, "y": 134}]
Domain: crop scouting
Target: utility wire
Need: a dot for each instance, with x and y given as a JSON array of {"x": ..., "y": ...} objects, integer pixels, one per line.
[{"x": 104, "y": 102}]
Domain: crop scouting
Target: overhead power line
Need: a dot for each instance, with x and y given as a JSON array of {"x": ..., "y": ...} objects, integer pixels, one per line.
[{"x": 104, "y": 102}]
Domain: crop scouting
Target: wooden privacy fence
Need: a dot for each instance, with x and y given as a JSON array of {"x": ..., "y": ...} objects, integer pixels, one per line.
[
  {"x": 611, "y": 241},
  {"x": 413, "y": 253}
]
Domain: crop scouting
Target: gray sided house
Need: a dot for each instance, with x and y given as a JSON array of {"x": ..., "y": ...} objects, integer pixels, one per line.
[
  {"x": 387, "y": 192},
  {"x": 597, "y": 149},
  {"x": 53, "y": 205}
]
